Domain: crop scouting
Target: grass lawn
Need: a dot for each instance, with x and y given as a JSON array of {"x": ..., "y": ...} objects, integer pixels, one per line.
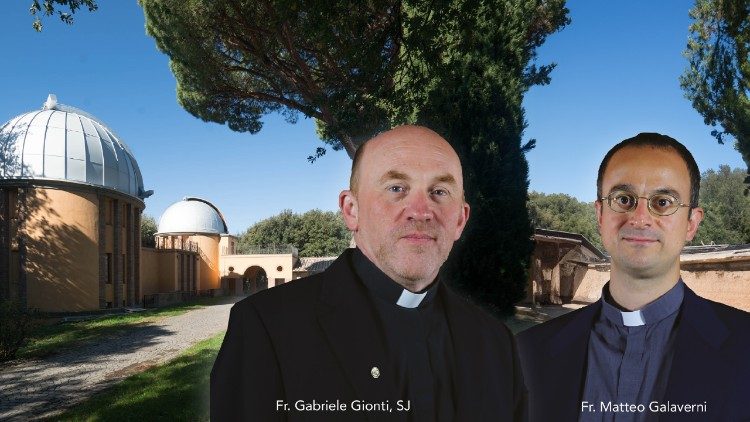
[
  {"x": 175, "y": 391},
  {"x": 47, "y": 339}
]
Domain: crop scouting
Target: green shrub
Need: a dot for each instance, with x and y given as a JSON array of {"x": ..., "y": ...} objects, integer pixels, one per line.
[{"x": 15, "y": 325}]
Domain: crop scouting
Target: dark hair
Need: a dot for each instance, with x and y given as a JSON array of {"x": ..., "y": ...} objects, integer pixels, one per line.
[{"x": 660, "y": 141}]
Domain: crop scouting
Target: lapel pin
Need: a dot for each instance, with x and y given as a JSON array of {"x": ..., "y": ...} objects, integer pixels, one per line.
[{"x": 375, "y": 372}]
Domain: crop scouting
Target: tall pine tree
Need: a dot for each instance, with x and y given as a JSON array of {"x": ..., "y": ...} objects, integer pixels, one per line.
[{"x": 460, "y": 67}]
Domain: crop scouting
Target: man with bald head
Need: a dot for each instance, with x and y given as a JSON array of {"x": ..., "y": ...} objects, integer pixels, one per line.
[{"x": 378, "y": 335}]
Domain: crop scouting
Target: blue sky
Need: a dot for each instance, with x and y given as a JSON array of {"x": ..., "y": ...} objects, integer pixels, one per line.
[{"x": 618, "y": 64}]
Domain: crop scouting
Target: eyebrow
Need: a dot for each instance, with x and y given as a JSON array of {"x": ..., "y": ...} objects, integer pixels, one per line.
[
  {"x": 631, "y": 188},
  {"x": 393, "y": 174},
  {"x": 397, "y": 175},
  {"x": 447, "y": 178}
]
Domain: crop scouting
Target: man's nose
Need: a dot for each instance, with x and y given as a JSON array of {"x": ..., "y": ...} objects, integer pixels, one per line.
[
  {"x": 641, "y": 216},
  {"x": 419, "y": 207}
]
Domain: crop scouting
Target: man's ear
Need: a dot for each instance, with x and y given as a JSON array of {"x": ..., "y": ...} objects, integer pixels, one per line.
[
  {"x": 598, "y": 208},
  {"x": 465, "y": 211},
  {"x": 696, "y": 216},
  {"x": 349, "y": 209}
]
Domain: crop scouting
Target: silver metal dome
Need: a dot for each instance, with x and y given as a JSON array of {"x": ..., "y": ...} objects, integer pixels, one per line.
[
  {"x": 192, "y": 216},
  {"x": 64, "y": 143}
]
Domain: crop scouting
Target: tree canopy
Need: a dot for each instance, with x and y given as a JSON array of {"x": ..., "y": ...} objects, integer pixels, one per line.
[
  {"x": 727, "y": 210},
  {"x": 314, "y": 233},
  {"x": 726, "y": 221},
  {"x": 148, "y": 231},
  {"x": 461, "y": 67},
  {"x": 558, "y": 211},
  {"x": 344, "y": 63},
  {"x": 718, "y": 78},
  {"x": 235, "y": 61},
  {"x": 65, "y": 10}
]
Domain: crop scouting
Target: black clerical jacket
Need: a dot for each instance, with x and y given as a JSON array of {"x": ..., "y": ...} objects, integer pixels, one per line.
[
  {"x": 317, "y": 341},
  {"x": 711, "y": 363}
]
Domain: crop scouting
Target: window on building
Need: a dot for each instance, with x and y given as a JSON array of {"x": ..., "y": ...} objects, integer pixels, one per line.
[
  {"x": 108, "y": 265},
  {"x": 180, "y": 279},
  {"x": 277, "y": 281},
  {"x": 110, "y": 211},
  {"x": 13, "y": 203}
]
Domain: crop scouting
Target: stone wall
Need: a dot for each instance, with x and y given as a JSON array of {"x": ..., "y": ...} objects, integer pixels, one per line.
[{"x": 720, "y": 280}]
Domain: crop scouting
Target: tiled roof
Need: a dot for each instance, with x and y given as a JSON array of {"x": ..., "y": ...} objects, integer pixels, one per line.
[
  {"x": 315, "y": 264},
  {"x": 715, "y": 252},
  {"x": 546, "y": 234}
]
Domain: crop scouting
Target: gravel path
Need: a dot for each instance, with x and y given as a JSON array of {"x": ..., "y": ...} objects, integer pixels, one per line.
[{"x": 41, "y": 388}]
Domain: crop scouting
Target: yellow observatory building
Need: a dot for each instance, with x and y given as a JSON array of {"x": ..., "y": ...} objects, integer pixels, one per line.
[{"x": 71, "y": 200}]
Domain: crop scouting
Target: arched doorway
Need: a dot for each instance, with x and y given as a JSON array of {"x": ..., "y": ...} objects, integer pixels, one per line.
[{"x": 255, "y": 279}]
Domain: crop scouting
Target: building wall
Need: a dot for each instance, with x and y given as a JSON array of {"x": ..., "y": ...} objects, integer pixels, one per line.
[
  {"x": 117, "y": 254},
  {"x": 228, "y": 244},
  {"x": 70, "y": 263},
  {"x": 270, "y": 264},
  {"x": 549, "y": 281},
  {"x": 208, "y": 246},
  {"x": 62, "y": 250},
  {"x": 9, "y": 246},
  {"x": 590, "y": 279},
  {"x": 150, "y": 271},
  {"x": 724, "y": 283},
  {"x": 729, "y": 287},
  {"x": 160, "y": 269}
]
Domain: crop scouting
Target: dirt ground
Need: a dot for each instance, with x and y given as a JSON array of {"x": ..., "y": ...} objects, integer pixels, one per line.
[{"x": 527, "y": 316}]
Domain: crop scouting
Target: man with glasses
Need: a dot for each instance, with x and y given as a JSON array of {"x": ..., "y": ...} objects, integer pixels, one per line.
[{"x": 650, "y": 349}]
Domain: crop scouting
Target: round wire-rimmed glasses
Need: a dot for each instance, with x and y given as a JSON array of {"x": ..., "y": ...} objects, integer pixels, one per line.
[{"x": 659, "y": 204}]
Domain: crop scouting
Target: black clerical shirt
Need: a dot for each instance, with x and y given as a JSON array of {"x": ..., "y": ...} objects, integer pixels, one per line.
[
  {"x": 630, "y": 355},
  {"x": 418, "y": 342}
]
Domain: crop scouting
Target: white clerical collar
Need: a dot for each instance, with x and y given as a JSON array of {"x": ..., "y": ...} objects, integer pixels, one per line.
[
  {"x": 409, "y": 299},
  {"x": 632, "y": 319},
  {"x": 382, "y": 286},
  {"x": 653, "y": 312}
]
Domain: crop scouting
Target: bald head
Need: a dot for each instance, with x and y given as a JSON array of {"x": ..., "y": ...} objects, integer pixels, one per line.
[
  {"x": 415, "y": 136},
  {"x": 405, "y": 206}
]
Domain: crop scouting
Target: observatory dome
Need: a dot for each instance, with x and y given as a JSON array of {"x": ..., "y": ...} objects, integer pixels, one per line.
[
  {"x": 192, "y": 216},
  {"x": 63, "y": 143}
]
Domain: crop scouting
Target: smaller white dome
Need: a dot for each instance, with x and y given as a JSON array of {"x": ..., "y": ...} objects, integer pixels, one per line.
[{"x": 192, "y": 216}]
